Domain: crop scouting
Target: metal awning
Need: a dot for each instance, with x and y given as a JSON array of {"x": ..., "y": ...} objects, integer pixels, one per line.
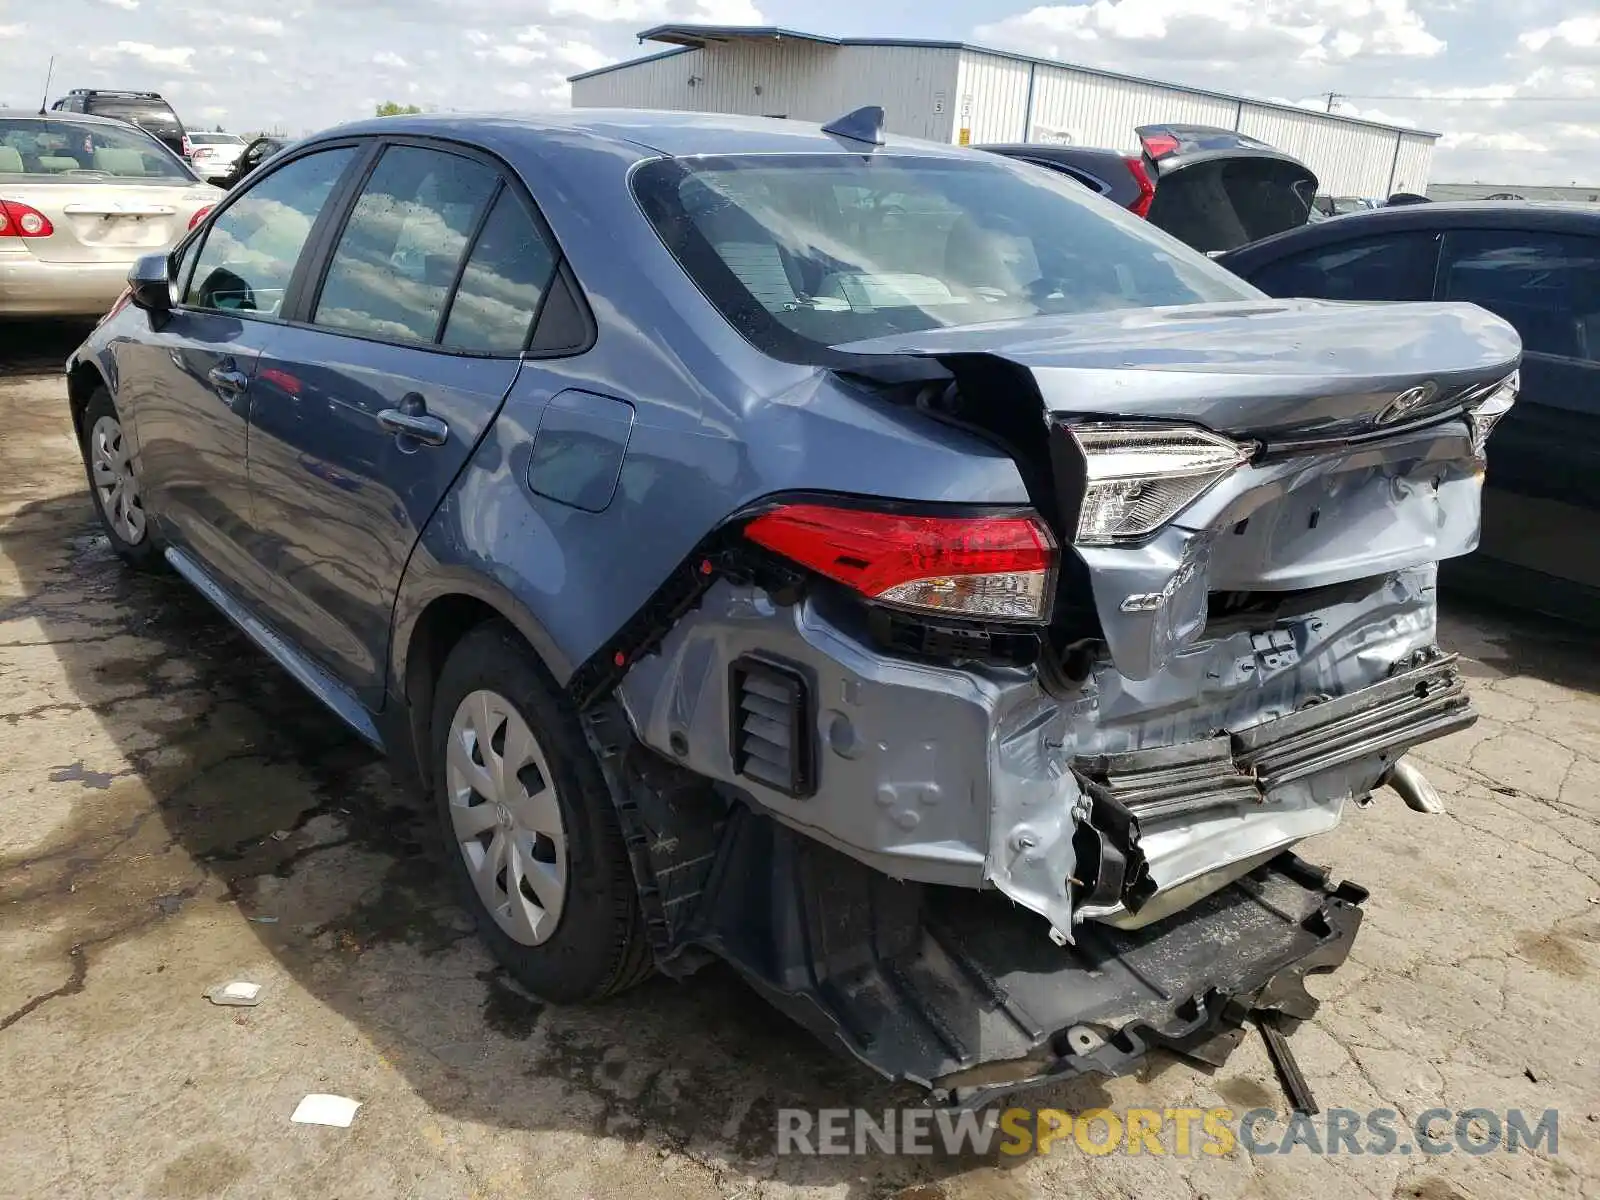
[{"x": 699, "y": 35}]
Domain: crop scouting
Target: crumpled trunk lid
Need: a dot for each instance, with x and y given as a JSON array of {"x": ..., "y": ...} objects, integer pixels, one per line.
[
  {"x": 1276, "y": 370},
  {"x": 1361, "y": 458}
]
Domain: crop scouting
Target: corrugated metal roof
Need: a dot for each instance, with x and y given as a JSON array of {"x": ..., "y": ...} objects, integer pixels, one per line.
[{"x": 694, "y": 37}]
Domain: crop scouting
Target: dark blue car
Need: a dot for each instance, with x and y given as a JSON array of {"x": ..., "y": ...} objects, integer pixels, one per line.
[
  {"x": 893, "y": 569},
  {"x": 1538, "y": 266}
]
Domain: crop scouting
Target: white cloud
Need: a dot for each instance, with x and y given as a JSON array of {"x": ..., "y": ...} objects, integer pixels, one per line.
[
  {"x": 581, "y": 56},
  {"x": 13, "y": 31},
  {"x": 513, "y": 56},
  {"x": 125, "y": 5},
  {"x": 388, "y": 58},
  {"x": 174, "y": 58},
  {"x": 1574, "y": 40},
  {"x": 1236, "y": 34}
]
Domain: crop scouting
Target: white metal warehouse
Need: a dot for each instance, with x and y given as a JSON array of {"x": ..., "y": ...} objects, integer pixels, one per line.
[{"x": 953, "y": 92}]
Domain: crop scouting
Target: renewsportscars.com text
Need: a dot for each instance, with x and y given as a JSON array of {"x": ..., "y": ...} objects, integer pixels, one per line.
[{"x": 1180, "y": 1132}]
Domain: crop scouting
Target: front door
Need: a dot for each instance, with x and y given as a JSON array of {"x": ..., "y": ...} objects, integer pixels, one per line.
[
  {"x": 363, "y": 416},
  {"x": 194, "y": 374}
]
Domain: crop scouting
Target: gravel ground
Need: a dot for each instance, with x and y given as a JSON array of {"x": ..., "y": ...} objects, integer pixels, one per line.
[{"x": 174, "y": 813}]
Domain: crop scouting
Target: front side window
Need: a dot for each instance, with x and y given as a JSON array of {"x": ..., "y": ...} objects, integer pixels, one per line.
[
  {"x": 83, "y": 152},
  {"x": 802, "y": 252},
  {"x": 252, "y": 246},
  {"x": 403, "y": 245},
  {"x": 1396, "y": 266},
  {"x": 1546, "y": 284}
]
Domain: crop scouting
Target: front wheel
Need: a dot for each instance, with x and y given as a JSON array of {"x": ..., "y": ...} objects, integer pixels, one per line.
[
  {"x": 530, "y": 829},
  {"x": 114, "y": 483}
]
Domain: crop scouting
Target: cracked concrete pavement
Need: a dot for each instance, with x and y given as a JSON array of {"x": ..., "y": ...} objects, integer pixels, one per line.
[{"x": 176, "y": 813}]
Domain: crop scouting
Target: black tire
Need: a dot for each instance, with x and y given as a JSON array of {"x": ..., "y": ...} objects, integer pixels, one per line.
[
  {"x": 143, "y": 553},
  {"x": 599, "y": 946}
]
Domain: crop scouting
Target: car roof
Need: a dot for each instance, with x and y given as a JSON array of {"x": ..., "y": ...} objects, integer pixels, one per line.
[
  {"x": 1553, "y": 215},
  {"x": 668, "y": 133},
  {"x": 28, "y": 114}
]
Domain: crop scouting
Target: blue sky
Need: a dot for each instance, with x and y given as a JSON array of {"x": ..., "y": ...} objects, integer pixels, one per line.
[{"x": 1464, "y": 67}]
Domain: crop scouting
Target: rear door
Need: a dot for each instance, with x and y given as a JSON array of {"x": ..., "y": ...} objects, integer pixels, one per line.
[
  {"x": 368, "y": 406},
  {"x": 187, "y": 381},
  {"x": 1542, "y": 505},
  {"x": 1217, "y": 189}
]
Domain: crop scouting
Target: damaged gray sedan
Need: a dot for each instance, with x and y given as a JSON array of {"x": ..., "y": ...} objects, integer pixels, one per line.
[{"x": 891, "y": 569}]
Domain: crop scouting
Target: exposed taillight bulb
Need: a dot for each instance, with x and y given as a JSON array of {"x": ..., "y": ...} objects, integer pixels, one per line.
[{"x": 984, "y": 567}]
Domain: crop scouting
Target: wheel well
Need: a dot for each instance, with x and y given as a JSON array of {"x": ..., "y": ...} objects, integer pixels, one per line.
[
  {"x": 82, "y": 381},
  {"x": 442, "y": 624}
]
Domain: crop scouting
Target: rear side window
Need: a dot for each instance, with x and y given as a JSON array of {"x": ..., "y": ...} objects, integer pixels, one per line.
[
  {"x": 1397, "y": 266},
  {"x": 403, "y": 246},
  {"x": 251, "y": 249},
  {"x": 505, "y": 278},
  {"x": 1546, "y": 284}
]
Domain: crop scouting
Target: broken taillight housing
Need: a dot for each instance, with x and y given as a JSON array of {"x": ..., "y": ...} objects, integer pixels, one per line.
[
  {"x": 998, "y": 567},
  {"x": 1486, "y": 413},
  {"x": 1139, "y": 476}
]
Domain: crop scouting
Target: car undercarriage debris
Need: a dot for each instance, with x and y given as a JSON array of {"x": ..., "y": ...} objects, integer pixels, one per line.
[{"x": 955, "y": 990}]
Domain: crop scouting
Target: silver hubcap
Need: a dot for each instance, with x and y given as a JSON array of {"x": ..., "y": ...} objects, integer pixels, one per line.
[
  {"x": 507, "y": 822},
  {"x": 114, "y": 482}
]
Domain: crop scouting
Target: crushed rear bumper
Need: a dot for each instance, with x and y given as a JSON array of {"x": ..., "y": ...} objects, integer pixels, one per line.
[{"x": 956, "y": 991}]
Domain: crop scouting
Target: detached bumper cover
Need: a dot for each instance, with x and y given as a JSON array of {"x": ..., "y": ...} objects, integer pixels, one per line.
[{"x": 956, "y": 990}]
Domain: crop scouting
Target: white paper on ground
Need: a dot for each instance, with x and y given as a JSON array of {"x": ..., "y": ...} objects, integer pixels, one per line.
[
  {"x": 319, "y": 1109},
  {"x": 239, "y": 993}
]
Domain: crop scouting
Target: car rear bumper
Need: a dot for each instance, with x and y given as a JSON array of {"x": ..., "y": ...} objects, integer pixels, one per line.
[
  {"x": 29, "y": 287},
  {"x": 977, "y": 777}
]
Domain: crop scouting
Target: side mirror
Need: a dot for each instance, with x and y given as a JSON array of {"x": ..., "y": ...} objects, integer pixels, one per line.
[{"x": 150, "y": 284}]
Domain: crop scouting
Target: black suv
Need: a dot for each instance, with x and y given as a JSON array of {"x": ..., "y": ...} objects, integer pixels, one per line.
[{"x": 147, "y": 110}]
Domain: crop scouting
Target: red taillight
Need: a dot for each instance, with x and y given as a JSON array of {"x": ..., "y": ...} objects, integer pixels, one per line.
[
  {"x": 983, "y": 567},
  {"x": 202, "y": 152},
  {"x": 21, "y": 220},
  {"x": 1159, "y": 145},
  {"x": 1147, "y": 189},
  {"x": 200, "y": 216},
  {"x": 188, "y": 146}
]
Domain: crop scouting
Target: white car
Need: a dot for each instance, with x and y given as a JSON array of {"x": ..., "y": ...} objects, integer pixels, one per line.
[
  {"x": 81, "y": 199},
  {"x": 212, "y": 155}
]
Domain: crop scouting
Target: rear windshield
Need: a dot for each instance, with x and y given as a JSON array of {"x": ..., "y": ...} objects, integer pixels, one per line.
[
  {"x": 54, "y": 148},
  {"x": 215, "y": 139},
  {"x": 811, "y": 251},
  {"x": 146, "y": 112}
]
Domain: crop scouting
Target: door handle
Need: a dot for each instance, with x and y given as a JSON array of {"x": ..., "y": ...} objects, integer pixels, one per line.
[
  {"x": 226, "y": 379},
  {"x": 411, "y": 420}
]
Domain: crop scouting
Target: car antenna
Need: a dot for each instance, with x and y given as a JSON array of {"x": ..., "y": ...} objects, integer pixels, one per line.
[
  {"x": 48, "y": 76},
  {"x": 862, "y": 125}
]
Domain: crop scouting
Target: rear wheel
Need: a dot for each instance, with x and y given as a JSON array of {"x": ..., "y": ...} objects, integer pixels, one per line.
[
  {"x": 530, "y": 828},
  {"x": 114, "y": 483}
]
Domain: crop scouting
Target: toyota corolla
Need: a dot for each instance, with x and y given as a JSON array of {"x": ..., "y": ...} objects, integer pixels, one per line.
[{"x": 891, "y": 569}]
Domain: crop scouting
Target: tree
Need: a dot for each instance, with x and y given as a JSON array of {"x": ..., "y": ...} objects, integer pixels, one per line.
[{"x": 390, "y": 109}]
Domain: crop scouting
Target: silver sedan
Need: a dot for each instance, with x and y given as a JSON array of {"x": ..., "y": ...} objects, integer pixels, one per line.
[{"x": 81, "y": 198}]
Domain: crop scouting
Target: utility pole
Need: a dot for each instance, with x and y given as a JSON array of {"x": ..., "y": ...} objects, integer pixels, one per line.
[{"x": 1332, "y": 96}]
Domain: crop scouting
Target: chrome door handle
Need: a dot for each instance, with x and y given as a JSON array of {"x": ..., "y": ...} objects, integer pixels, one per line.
[
  {"x": 227, "y": 380},
  {"x": 430, "y": 431}
]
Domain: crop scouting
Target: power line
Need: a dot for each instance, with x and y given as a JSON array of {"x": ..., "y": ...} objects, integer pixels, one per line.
[{"x": 1474, "y": 99}]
